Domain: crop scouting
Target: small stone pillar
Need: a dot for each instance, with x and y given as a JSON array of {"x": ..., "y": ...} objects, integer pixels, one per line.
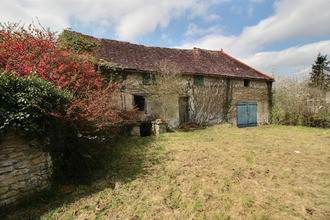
[{"x": 159, "y": 126}]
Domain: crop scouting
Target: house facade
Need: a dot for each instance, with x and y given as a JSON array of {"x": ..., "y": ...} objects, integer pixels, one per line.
[{"x": 216, "y": 87}]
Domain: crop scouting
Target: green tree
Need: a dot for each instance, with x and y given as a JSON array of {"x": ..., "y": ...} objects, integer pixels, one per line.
[
  {"x": 79, "y": 42},
  {"x": 319, "y": 76},
  {"x": 163, "y": 88}
]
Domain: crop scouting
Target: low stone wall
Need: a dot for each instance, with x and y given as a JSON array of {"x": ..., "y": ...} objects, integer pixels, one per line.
[{"x": 23, "y": 169}]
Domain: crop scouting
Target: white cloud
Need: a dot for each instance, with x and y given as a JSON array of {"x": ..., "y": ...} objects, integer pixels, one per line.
[
  {"x": 257, "y": 1},
  {"x": 211, "y": 17},
  {"x": 28, "y": 11},
  {"x": 201, "y": 9},
  {"x": 236, "y": 9},
  {"x": 193, "y": 29},
  {"x": 129, "y": 19},
  {"x": 293, "y": 59},
  {"x": 216, "y": 42},
  {"x": 250, "y": 10},
  {"x": 293, "y": 19}
]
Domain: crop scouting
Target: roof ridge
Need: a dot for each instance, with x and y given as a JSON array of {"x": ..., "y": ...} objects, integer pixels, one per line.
[
  {"x": 195, "y": 60},
  {"x": 269, "y": 77},
  {"x": 170, "y": 48},
  {"x": 142, "y": 45}
]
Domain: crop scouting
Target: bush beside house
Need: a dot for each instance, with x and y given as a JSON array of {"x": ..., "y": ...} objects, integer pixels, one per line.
[{"x": 54, "y": 97}]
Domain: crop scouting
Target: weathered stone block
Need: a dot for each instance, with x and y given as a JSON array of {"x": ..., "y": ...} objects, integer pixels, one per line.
[
  {"x": 44, "y": 183},
  {"x": 135, "y": 131},
  {"x": 3, "y": 177},
  {"x": 18, "y": 185},
  {"x": 38, "y": 160},
  {"x": 9, "y": 194},
  {"x": 16, "y": 155},
  {"x": 35, "y": 156},
  {"x": 43, "y": 173},
  {"x": 28, "y": 188},
  {"x": 8, "y": 181},
  {"x": 6, "y": 169},
  {"x": 35, "y": 169},
  {"x": 24, "y": 177},
  {"x": 18, "y": 172},
  {"x": 3, "y": 190},
  {"x": 21, "y": 164},
  {"x": 3, "y": 156},
  {"x": 8, "y": 150},
  {"x": 34, "y": 181},
  {"x": 8, "y": 200},
  {"x": 8, "y": 162}
]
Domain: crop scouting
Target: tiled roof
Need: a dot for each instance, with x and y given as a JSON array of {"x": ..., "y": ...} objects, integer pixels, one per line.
[{"x": 191, "y": 61}]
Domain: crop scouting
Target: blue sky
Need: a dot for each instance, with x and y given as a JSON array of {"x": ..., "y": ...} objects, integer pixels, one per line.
[{"x": 281, "y": 36}]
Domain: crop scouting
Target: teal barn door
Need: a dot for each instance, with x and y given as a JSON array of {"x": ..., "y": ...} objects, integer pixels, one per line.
[{"x": 246, "y": 114}]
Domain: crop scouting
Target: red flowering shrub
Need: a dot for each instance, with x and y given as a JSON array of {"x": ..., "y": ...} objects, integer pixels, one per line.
[
  {"x": 26, "y": 50},
  {"x": 101, "y": 109},
  {"x": 95, "y": 107},
  {"x": 91, "y": 113}
]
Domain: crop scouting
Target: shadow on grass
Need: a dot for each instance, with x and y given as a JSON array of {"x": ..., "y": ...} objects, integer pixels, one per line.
[{"x": 121, "y": 163}]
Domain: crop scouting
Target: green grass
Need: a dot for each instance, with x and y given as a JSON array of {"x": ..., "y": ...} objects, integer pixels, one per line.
[{"x": 221, "y": 172}]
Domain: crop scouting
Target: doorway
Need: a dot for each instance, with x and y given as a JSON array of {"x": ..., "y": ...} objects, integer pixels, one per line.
[
  {"x": 246, "y": 114},
  {"x": 183, "y": 110}
]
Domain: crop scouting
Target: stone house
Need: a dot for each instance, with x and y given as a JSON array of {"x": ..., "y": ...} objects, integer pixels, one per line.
[{"x": 218, "y": 87}]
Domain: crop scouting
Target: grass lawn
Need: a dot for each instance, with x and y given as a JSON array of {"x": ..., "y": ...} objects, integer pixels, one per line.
[{"x": 220, "y": 172}]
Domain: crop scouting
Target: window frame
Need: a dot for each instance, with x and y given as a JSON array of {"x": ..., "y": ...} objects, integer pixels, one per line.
[
  {"x": 198, "y": 80},
  {"x": 148, "y": 78},
  {"x": 142, "y": 107},
  {"x": 247, "y": 82}
]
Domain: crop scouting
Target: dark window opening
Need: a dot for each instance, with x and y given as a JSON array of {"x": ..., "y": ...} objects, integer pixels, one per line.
[
  {"x": 198, "y": 80},
  {"x": 246, "y": 82},
  {"x": 145, "y": 129},
  {"x": 139, "y": 102},
  {"x": 148, "y": 78}
]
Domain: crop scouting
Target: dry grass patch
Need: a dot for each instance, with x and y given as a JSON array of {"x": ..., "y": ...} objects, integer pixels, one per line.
[{"x": 221, "y": 172}]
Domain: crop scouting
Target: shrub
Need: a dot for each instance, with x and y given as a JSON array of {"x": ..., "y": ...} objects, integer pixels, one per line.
[
  {"x": 94, "y": 107},
  {"x": 71, "y": 122},
  {"x": 29, "y": 105},
  {"x": 296, "y": 103}
]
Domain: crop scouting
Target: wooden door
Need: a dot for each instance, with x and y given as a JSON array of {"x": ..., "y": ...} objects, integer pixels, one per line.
[
  {"x": 247, "y": 114},
  {"x": 183, "y": 110}
]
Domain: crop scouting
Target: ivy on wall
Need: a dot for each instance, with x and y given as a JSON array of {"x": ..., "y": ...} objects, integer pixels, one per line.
[
  {"x": 270, "y": 100},
  {"x": 86, "y": 44},
  {"x": 228, "y": 99},
  {"x": 78, "y": 42}
]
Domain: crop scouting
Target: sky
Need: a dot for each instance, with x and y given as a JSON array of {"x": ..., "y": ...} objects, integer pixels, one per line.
[{"x": 280, "y": 36}]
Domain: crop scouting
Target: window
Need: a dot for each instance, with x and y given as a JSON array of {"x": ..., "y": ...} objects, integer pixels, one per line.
[
  {"x": 139, "y": 102},
  {"x": 148, "y": 78},
  {"x": 246, "y": 82},
  {"x": 198, "y": 80}
]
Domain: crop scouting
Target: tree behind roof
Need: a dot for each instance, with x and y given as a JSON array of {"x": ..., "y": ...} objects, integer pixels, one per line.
[{"x": 319, "y": 76}]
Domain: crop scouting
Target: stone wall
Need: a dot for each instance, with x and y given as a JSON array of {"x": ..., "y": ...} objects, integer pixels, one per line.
[
  {"x": 206, "y": 101},
  {"x": 257, "y": 92},
  {"x": 23, "y": 169}
]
